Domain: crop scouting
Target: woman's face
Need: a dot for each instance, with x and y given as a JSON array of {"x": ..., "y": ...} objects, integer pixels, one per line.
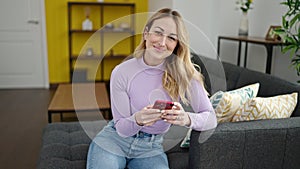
[{"x": 161, "y": 40}]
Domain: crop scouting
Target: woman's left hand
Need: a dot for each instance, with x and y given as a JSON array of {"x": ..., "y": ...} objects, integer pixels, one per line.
[{"x": 176, "y": 115}]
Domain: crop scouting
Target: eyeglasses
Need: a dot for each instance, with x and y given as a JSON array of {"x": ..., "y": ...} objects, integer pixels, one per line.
[{"x": 160, "y": 35}]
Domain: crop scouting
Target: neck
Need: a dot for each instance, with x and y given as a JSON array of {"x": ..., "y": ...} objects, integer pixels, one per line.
[{"x": 152, "y": 61}]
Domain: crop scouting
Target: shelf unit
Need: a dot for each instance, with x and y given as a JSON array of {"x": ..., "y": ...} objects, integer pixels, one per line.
[{"x": 102, "y": 12}]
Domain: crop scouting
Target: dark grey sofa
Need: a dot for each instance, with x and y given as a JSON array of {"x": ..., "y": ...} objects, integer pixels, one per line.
[{"x": 267, "y": 144}]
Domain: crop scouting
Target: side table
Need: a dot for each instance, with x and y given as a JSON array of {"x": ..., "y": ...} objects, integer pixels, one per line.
[{"x": 255, "y": 40}]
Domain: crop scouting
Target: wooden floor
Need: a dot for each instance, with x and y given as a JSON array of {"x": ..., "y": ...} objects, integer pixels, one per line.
[{"x": 23, "y": 115}]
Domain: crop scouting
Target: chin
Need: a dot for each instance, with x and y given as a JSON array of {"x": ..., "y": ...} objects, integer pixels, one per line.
[{"x": 158, "y": 55}]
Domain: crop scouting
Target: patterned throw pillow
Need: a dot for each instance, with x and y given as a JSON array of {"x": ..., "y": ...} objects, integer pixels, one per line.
[
  {"x": 281, "y": 106},
  {"x": 226, "y": 104},
  {"x": 186, "y": 141},
  {"x": 227, "y": 107}
]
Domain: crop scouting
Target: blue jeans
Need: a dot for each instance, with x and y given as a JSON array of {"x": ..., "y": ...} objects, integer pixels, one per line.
[
  {"x": 110, "y": 151},
  {"x": 100, "y": 158}
]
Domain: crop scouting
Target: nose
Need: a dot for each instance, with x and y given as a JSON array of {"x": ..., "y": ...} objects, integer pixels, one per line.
[{"x": 163, "y": 40}]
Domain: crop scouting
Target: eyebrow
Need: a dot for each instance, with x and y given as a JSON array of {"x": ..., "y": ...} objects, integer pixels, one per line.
[{"x": 164, "y": 30}]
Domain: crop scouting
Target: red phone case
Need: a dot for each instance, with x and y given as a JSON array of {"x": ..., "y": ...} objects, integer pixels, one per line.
[{"x": 163, "y": 105}]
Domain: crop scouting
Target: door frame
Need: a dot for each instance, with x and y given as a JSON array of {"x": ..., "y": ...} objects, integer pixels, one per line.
[{"x": 44, "y": 44}]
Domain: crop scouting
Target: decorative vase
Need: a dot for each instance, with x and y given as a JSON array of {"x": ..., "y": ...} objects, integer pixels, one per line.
[
  {"x": 87, "y": 24},
  {"x": 244, "y": 25}
]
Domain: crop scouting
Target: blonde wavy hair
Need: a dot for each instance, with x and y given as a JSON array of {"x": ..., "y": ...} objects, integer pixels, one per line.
[{"x": 179, "y": 69}]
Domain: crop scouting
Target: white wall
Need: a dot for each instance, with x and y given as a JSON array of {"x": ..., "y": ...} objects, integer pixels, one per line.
[
  {"x": 154, "y": 5},
  {"x": 207, "y": 19}
]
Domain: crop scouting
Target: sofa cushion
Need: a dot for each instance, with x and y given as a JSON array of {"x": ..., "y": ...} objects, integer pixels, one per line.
[
  {"x": 65, "y": 145},
  {"x": 232, "y": 73},
  {"x": 178, "y": 157},
  {"x": 269, "y": 144},
  {"x": 280, "y": 106},
  {"x": 178, "y": 160},
  {"x": 213, "y": 72}
]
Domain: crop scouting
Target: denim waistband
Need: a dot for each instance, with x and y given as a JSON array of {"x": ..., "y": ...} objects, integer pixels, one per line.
[{"x": 142, "y": 134}]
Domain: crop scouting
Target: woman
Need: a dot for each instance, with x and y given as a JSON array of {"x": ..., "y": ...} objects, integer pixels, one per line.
[{"x": 160, "y": 70}]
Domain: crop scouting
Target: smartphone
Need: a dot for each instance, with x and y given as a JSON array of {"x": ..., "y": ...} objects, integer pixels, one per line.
[{"x": 163, "y": 105}]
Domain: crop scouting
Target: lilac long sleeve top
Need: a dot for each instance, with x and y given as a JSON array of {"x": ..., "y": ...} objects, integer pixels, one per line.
[{"x": 134, "y": 85}]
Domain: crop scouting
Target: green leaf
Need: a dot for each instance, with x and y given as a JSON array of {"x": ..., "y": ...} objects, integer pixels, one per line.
[
  {"x": 289, "y": 40},
  {"x": 290, "y": 32},
  {"x": 287, "y": 48},
  {"x": 279, "y": 31},
  {"x": 294, "y": 19},
  {"x": 296, "y": 59},
  {"x": 293, "y": 51}
]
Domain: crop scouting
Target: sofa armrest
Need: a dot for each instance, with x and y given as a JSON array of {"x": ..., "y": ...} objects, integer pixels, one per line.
[{"x": 254, "y": 144}]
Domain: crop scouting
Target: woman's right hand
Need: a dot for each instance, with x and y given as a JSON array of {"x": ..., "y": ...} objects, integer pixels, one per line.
[{"x": 147, "y": 116}]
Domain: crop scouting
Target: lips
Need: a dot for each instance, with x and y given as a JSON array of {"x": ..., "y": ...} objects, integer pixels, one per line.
[{"x": 159, "y": 49}]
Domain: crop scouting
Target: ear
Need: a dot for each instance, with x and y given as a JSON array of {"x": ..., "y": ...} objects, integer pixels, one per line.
[{"x": 145, "y": 33}]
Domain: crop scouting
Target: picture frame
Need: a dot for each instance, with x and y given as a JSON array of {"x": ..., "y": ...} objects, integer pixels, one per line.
[{"x": 271, "y": 35}]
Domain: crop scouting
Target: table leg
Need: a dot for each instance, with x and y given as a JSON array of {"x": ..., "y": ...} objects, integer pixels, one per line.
[
  {"x": 49, "y": 117},
  {"x": 239, "y": 53},
  {"x": 269, "y": 58},
  {"x": 218, "y": 50},
  {"x": 61, "y": 116},
  {"x": 109, "y": 114},
  {"x": 245, "y": 55},
  {"x": 106, "y": 114}
]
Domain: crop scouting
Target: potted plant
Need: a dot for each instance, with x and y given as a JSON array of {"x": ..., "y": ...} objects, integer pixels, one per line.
[
  {"x": 244, "y": 5},
  {"x": 290, "y": 32}
]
